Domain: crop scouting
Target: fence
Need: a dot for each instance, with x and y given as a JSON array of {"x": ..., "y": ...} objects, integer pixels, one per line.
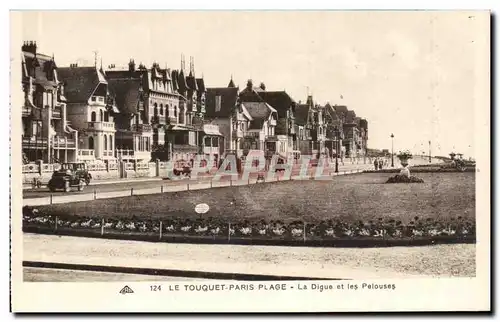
[{"x": 99, "y": 170}]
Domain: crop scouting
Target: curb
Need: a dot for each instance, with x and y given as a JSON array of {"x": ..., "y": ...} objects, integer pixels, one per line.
[{"x": 169, "y": 272}]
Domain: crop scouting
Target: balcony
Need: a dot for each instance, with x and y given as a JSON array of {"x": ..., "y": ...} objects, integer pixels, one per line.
[
  {"x": 26, "y": 110},
  {"x": 101, "y": 126},
  {"x": 185, "y": 148},
  {"x": 56, "y": 112},
  {"x": 133, "y": 155},
  {"x": 142, "y": 128},
  {"x": 34, "y": 143},
  {"x": 252, "y": 135},
  {"x": 272, "y": 138},
  {"x": 210, "y": 150},
  {"x": 63, "y": 143},
  {"x": 86, "y": 155},
  {"x": 158, "y": 119}
]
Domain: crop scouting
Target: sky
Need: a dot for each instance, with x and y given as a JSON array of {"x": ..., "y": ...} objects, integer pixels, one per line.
[{"x": 413, "y": 74}]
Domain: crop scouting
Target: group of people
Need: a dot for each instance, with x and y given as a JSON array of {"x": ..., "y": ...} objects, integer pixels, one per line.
[{"x": 380, "y": 163}]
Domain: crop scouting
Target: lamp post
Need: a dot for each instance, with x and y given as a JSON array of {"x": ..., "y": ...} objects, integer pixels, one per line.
[
  {"x": 337, "y": 150},
  {"x": 430, "y": 161},
  {"x": 392, "y": 150}
]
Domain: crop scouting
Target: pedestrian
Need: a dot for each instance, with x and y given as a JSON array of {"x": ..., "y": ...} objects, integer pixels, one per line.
[{"x": 375, "y": 163}]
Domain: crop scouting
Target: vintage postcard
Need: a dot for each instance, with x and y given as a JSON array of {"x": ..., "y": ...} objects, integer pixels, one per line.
[{"x": 250, "y": 161}]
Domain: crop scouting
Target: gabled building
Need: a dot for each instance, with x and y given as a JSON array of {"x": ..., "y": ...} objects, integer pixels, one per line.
[
  {"x": 285, "y": 130},
  {"x": 311, "y": 128},
  {"x": 223, "y": 109},
  {"x": 184, "y": 136},
  {"x": 47, "y": 135},
  {"x": 90, "y": 109},
  {"x": 355, "y": 132},
  {"x": 261, "y": 130},
  {"x": 334, "y": 131},
  {"x": 134, "y": 133}
]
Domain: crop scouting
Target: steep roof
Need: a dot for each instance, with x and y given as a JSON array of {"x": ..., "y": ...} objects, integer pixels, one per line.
[
  {"x": 40, "y": 67},
  {"x": 231, "y": 83},
  {"x": 363, "y": 124},
  {"x": 181, "y": 82},
  {"x": 350, "y": 117},
  {"x": 80, "y": 82},
  {"x": 191, "y": 82},
  {"x": 200, "y": 84},
  {"x": 301, "y": 114},
  {"x": 259, "y": 111},
  {"x": 126, "y": 93},
  {"x": 280, "y": 100},
  {"x": 229, "y": 97}
]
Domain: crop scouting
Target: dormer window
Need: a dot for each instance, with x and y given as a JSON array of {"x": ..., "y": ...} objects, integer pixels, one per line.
[{"x": 98, "y": 99}]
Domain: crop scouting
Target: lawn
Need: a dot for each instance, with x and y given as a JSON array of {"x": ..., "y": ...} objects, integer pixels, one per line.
[{"x": 365, "y": 197}]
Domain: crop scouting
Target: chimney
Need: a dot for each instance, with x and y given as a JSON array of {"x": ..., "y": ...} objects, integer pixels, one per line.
[
  {"x": 131, "y": 65},
  {"x": 73, "y": 65},
  {"x": 29, "y": 46},
  {"x": 249, "y": 84}
]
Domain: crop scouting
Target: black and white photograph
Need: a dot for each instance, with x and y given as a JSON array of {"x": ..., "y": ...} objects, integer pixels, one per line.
[{"x": 237, "y": 154}]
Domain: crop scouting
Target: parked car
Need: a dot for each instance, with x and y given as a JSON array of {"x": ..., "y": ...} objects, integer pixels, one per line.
[
  {"x": 65, "y": 179},
  {"x": 182, "y": 168},
  {"x": 80, "y": 169}
]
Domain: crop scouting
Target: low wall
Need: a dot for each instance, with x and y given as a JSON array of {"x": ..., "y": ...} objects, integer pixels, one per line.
[{"x": 99, "y": 171}]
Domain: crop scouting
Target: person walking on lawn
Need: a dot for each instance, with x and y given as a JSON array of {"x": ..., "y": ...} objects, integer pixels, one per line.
[{"x": 375, "y": 163}]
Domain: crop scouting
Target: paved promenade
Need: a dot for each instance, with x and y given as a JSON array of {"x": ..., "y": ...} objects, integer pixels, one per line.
[{"x": 300, "y": 262}]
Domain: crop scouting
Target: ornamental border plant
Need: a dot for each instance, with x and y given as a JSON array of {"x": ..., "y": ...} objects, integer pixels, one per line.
[
  {"x": 379, "y": 231},
  {"x": 404, "y": 155}
]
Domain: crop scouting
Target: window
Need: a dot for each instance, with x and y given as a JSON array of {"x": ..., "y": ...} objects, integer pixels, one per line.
[
  {"x": 93, "y": 98},
  {"x": 36, "y": 128},
  {"x": 175, "y": 111},
  {"x": 215, "y": 142},
  {"x": 106, "y": 116},
  {"x": 92, "y": 117},
  {"x": 105, "y": 142},
  {"x": 111, "y": 142},
  {"x": 161, "y": 109},
  {"x": 192, "y": 138},
  {"x": 208, "y": 141},
  {"x": 166, "y": 110},
  {"x": 101, "y": 115},
  {"x": 49, "y": 99},
  {"x": 91, "y": 143},
  {"x": 155, "y": 109}
]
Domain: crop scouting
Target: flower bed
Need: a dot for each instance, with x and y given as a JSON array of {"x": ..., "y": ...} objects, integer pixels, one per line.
[
  {"x": 380, "y": 232},
  {"x": 404, "y": 179}
]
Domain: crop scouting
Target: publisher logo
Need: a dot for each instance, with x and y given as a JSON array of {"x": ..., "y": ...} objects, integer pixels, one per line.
[{"x": 126, "y": 290}]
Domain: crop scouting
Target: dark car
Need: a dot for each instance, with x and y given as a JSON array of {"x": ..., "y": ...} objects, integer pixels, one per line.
[
  {"x": 182, "y": 168},
  {"x": 79, "y": 169},
  {"x": 64, "y": 180}
]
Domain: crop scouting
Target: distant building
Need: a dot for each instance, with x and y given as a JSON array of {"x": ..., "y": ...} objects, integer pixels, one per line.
[{"x": 223, "y": 108}]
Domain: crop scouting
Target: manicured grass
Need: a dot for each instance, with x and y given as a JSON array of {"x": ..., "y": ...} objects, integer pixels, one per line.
[{"x": 365, "y": 197}]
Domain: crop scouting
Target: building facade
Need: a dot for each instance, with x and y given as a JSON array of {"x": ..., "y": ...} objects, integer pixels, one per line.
[
  {"x": 223, "y": 108},
  {"x": 90, "y": 109},
  {"x": 47, "y": 135}
]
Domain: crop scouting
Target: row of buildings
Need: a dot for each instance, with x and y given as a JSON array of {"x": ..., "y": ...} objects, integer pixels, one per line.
[{"x": 85, "y": 114}]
